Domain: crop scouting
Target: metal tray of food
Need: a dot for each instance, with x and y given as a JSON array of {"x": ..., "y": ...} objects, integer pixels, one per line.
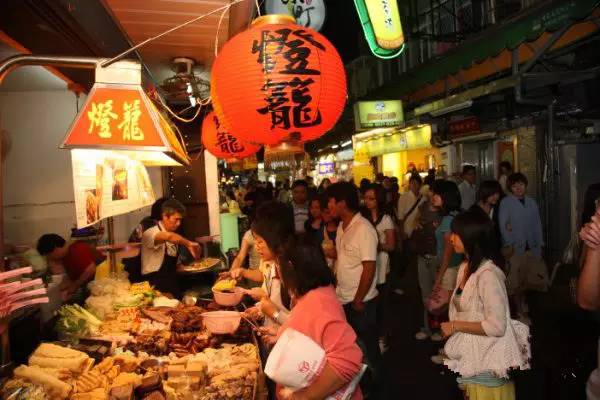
[{"x": 199, "y": 266}]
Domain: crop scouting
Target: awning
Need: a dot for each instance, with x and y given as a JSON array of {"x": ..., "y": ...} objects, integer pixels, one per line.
[{"x": 527, "y": 27}]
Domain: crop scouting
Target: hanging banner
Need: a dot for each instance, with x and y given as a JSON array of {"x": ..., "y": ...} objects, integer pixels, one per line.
[
  {"x": 308, "y": 13},
  {"x": 107, "y": 184},
  {"x": 378, "y": 114}
]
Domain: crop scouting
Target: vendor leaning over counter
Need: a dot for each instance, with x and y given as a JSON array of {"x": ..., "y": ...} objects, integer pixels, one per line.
[
  {"x": 160, "y": 249},
  {"x": 77, "y": 259}
]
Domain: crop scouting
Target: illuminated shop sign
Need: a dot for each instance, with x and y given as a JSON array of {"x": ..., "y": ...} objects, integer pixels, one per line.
[
  {"x": 382, "y": 26},
  {"x": 378, "y": 114}
]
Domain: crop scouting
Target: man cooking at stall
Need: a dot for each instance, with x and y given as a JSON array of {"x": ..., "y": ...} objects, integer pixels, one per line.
[{"x": 160, "y": 249}]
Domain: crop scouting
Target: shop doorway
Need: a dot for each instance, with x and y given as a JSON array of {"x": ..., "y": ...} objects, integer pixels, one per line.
[{"x": 481, "y": 155}]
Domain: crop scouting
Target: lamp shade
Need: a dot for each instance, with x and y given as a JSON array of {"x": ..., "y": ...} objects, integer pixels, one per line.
[
  {"x": 278, "y": 81},
  {"x": 221, "y": 143}
]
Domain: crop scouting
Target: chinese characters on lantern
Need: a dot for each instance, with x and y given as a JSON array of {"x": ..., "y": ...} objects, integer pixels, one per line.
[
  {"x": 226, "y": 142},
  {"x": 102, "y": 115},
  {"x": 288, "y": 101}
]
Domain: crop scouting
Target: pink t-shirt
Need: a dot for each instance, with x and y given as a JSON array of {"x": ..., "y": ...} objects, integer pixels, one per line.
[{"x": 320, "y": 316}]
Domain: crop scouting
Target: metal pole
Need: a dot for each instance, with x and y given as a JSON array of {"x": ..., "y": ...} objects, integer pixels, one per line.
[
  {"x": 54, "y": 61},
  {"x": 4, "y": 338}
]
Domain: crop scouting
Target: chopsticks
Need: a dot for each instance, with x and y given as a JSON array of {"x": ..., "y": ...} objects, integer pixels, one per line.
[{"x": 252, "y": 324}]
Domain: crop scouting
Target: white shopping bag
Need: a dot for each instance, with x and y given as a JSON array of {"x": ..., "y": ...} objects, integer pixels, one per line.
[{"x": 296, "y": 360}]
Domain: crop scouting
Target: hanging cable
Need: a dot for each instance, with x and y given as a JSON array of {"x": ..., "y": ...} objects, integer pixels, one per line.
[
  {"x": 174, "y": 115},
  {"x": 219, "y": 29},
  {"x": 258, "y": 7}
]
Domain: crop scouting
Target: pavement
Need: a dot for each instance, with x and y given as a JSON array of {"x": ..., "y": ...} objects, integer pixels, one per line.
[{"x": 564, "y": 344}]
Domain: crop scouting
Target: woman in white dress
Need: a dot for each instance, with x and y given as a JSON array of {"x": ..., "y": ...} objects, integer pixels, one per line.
[
  {"x": 484, "y": 343},
  {"x": 374, "y": 211}
]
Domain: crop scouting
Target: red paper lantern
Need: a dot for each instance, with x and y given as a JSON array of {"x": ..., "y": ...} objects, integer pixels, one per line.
[
  {"x": 278, "y": 81},
  {"x": 222, "y": 144}
]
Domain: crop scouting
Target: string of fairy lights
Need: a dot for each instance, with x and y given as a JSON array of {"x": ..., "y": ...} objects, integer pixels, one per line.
[{"x": 188, "y": 192}]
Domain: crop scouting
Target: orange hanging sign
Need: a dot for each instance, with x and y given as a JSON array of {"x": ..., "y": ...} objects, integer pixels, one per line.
[
  {"x": 115, "y": 116},
  {"x": 122, "y": 117}
]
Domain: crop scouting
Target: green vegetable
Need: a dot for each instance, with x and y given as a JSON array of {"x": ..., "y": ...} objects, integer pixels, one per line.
[
  {"x": 135, "y": 300},
  {"x": 76, "y": 321}
]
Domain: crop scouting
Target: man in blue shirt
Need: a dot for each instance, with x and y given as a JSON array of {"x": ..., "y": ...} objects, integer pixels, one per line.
[{"x": 522, "y": 238}]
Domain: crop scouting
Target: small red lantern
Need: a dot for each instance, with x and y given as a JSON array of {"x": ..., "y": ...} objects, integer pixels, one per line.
[
  {"x": 222, "y": 144},
  {"x": 278, "y": 81}
]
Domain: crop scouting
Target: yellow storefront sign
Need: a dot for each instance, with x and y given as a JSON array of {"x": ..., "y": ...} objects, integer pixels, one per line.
[
  {"x": 366, "y": 146},
  {"x": 378, "y": 114}
]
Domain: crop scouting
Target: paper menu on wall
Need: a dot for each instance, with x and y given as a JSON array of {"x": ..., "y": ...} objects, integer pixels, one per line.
[{"x": 106, "y": 184}]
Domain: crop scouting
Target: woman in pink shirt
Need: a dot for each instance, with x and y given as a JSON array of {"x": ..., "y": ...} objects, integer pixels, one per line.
[{"x": 318, "y": 314}]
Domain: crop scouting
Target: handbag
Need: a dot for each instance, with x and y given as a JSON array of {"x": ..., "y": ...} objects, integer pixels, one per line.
[
  {"x": 470, "y": 354},
  {"x": 408, "y": 213},
  {"x": 438, "y": 300}
]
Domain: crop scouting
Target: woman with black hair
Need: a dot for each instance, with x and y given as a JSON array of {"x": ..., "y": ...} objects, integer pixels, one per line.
[
  {"x": 321, "y": 227},
  {"x": 310, "y": 282},
  {"x": 484, "y": 342},
  {"x": 313, "y": 227},
  {"x": 374, "y": 212},
  {"x": 488, "y": 198},
  {"x": 446, "y": 197},
  {"x": 488, "y": 202},
  {"x": 272, "y": 228},
  {"x": 325, "y": 183},
  {"x": 231, "y": 205}
]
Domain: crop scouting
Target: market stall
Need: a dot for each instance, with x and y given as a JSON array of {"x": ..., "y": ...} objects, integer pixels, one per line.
[
  {"x": 128, "y": 340},
  {"x": 132, "y": 342}
]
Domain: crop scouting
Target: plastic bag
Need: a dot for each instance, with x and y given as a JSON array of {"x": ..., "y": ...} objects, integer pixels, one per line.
[{"x": 296, "y": 360}]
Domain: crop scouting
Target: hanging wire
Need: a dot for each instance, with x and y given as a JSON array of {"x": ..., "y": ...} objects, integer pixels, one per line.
[
  {"x": 219, "y": 28},
  {"x": 177, "y": 117},
  {"x": 258, "y": 7}
]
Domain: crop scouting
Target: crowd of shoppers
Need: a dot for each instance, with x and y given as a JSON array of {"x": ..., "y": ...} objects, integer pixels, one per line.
[{"x": 341, "y": 247}]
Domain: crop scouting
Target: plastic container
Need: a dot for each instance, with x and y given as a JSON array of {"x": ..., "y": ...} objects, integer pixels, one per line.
[
  {"x": 229, "y": 299},
  {"x": 221, "y": 322}
]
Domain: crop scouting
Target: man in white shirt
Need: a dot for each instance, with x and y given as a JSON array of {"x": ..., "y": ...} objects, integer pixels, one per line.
[
  {"x": 355, "y": 255},
  {"x": 468, "y": 188},
  {"x": 160, "y": 250},
  {"x": 300, "y": 204}
]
